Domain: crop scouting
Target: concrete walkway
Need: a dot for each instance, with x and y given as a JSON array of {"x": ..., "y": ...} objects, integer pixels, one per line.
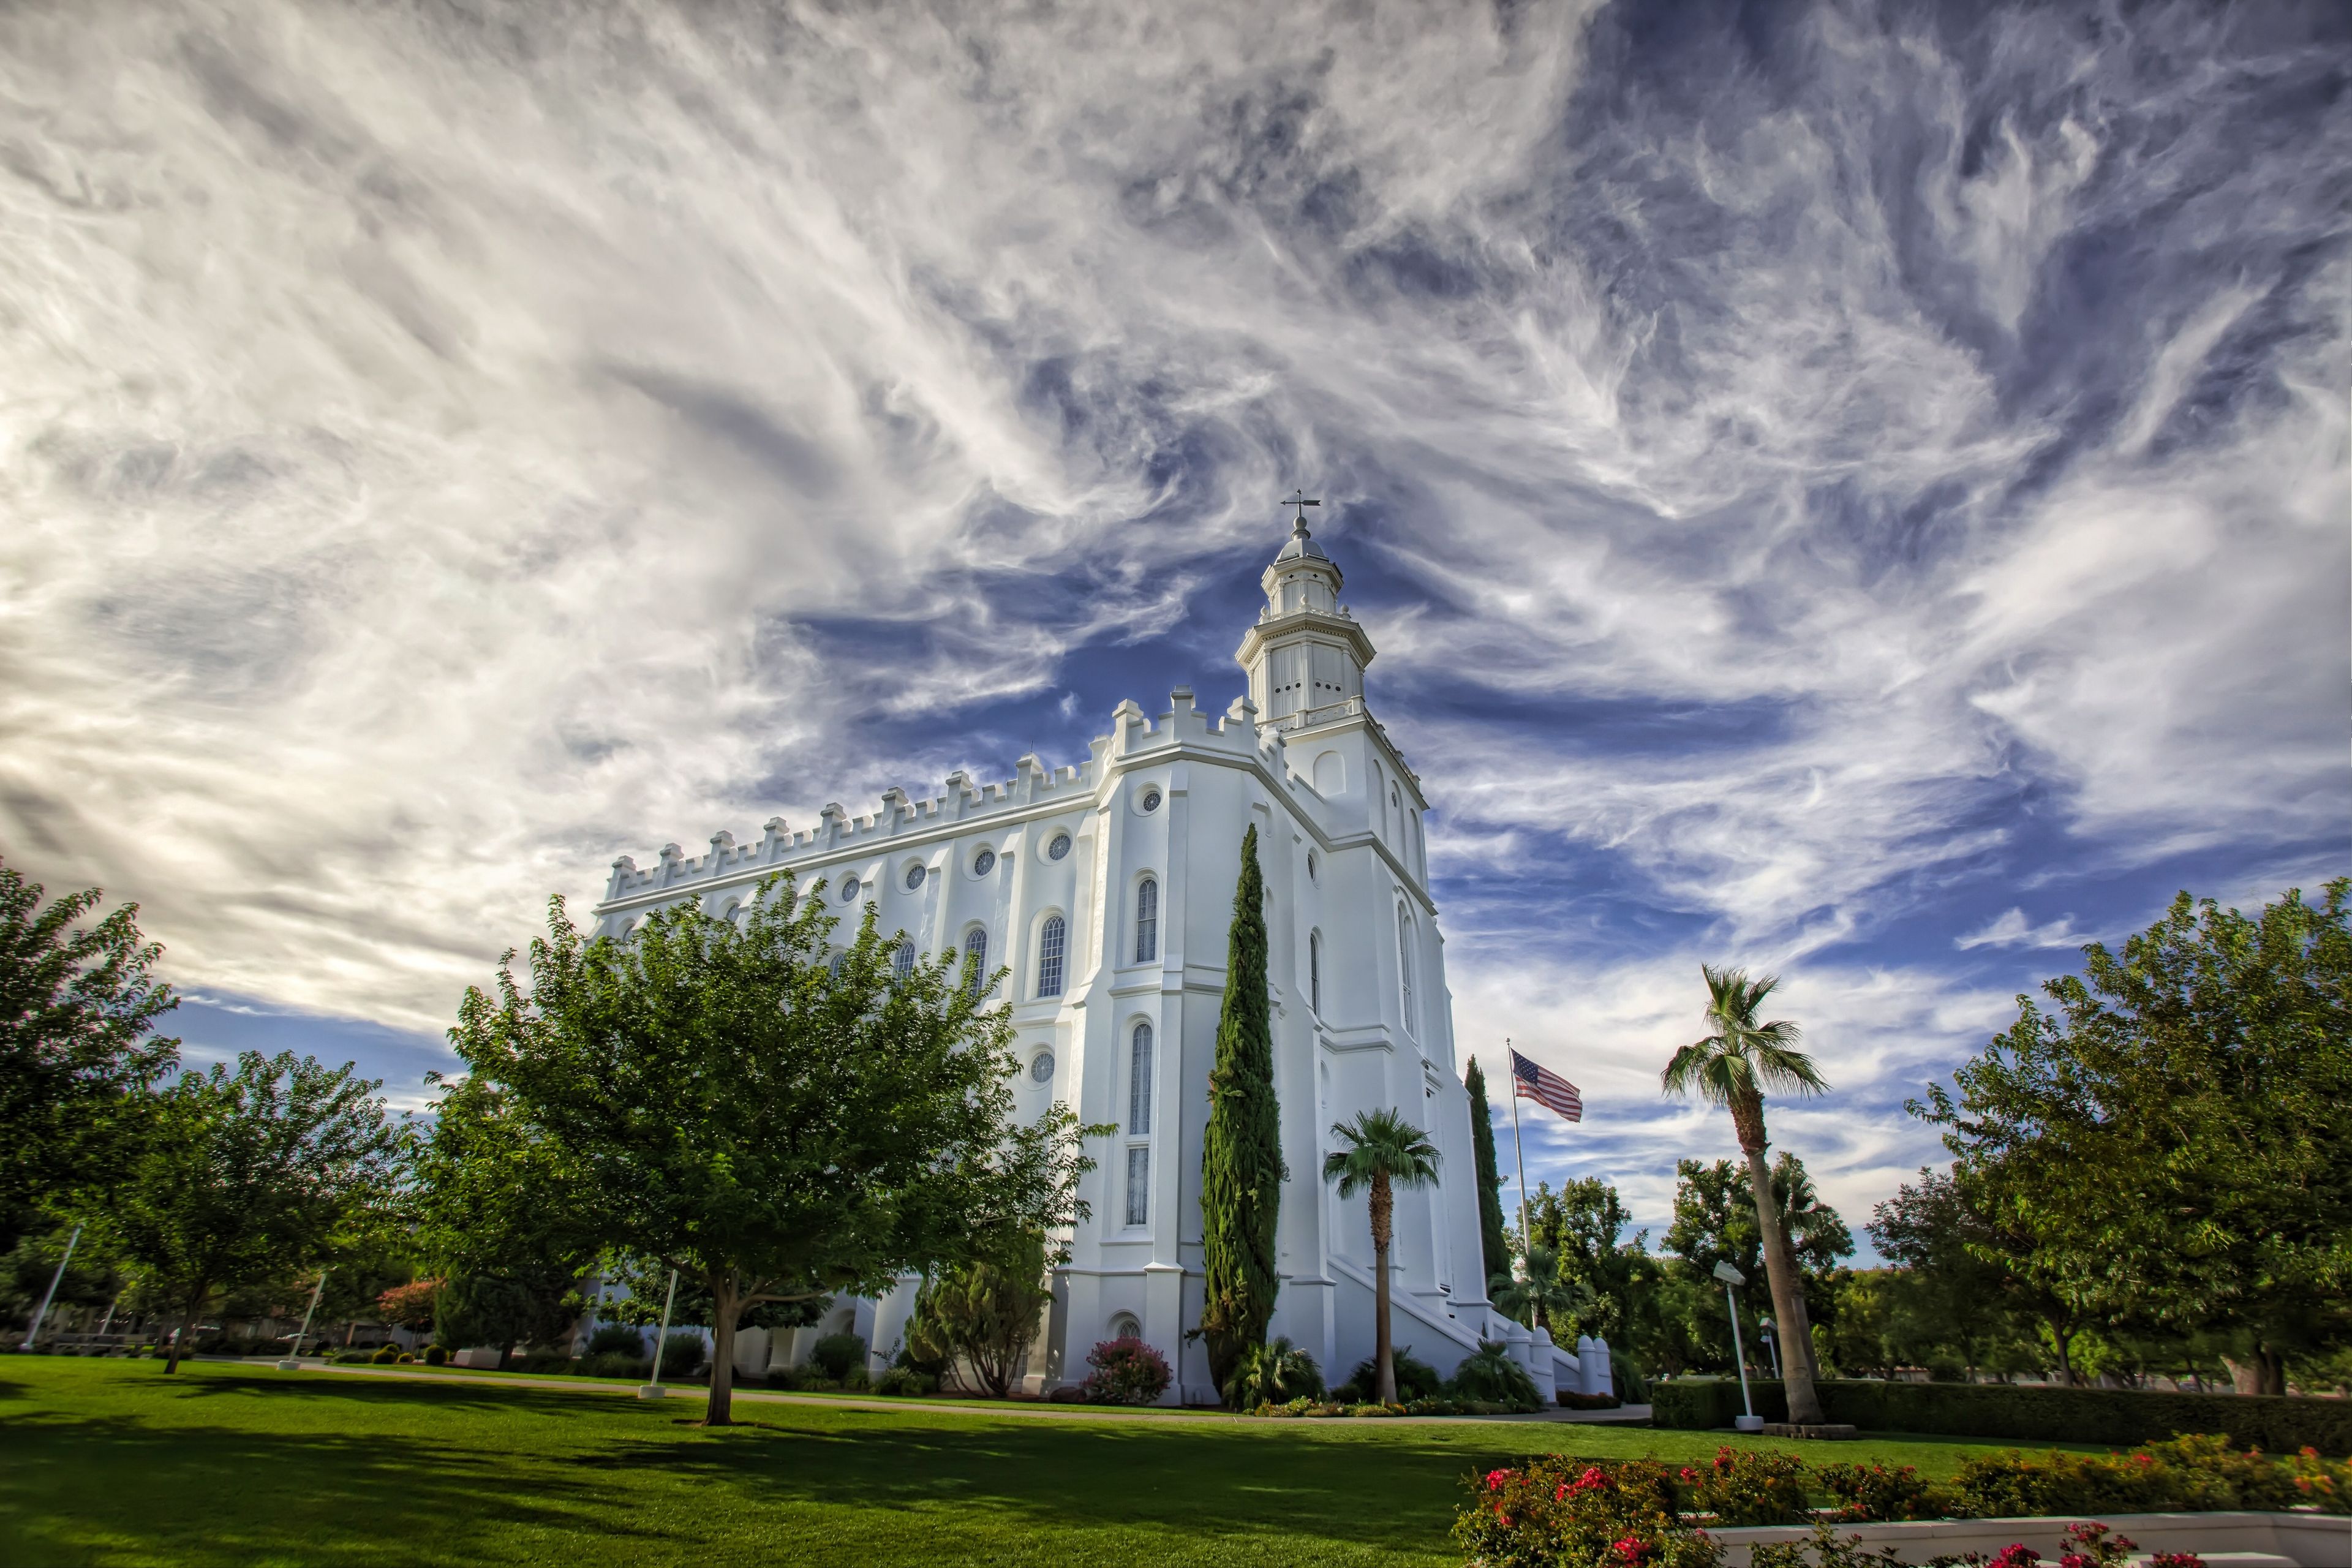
[{"x": 1629, "y": 1415}]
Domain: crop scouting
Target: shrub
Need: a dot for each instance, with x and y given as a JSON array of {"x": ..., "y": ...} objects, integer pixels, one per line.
[
  {"x": 2120, "y": 1417},
  {"x": 386, "y": 1356},
  {"x": 436, "y": 1355},
  {"x": 1492, "y": 1376},
  {"x": 859, "y": 1380},
  {"x": 545, "y": 1361},
  {"x": 614, "y": 1339},
  {"x": 1416, "y": 1379},
  {"x": 1874, "y": 1493},
  {"x": 904, "y": 1380},
  {"x": 614, "y": 1363},
  {"x": 792, "y": 1377},
  {"x": 683, "y": 1354},
  {"x": 1272, "y": 1374},
  {"x": 1571, "y": 1400},
  {"x": 405, "y": 1360},
  {"x": 1126, "y": 1371},
  {"x": 1565, "y": 1512},
  {"x": 1750, "y": 1486},
  {"x": 834, "y": 1354}
]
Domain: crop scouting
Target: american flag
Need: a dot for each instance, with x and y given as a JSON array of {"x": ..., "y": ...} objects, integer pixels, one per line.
[{"x": 1546, "y": 1087}]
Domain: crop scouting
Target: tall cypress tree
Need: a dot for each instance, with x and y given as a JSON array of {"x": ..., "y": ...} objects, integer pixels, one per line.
[
  {"x": 1490, "y": 1177},
  {"x": 1242, "y": 1171}
]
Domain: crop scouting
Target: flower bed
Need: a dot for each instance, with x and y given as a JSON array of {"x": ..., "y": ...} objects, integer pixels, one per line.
[{"x": 1645, "y": 1515}]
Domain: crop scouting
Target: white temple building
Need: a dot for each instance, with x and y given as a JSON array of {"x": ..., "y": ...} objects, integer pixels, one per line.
[{"x": 1106, "y": 889}]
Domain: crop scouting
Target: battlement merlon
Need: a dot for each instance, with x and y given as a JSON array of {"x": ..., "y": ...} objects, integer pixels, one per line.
[{"x": 1132, "y": 738}]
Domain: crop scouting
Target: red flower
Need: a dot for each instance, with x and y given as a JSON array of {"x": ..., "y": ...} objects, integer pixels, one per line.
[
  {"x": 1495, "y": 1480},
  {"x": 1689, "y": 1474},
  {"x": 1560, "y": 1495},
  {"x": 1631, "y": 1549},
  {"x": 2016, "y": 1555}
]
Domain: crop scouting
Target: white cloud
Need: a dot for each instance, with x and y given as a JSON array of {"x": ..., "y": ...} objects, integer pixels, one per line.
[{"x": 2011, "y": 928}]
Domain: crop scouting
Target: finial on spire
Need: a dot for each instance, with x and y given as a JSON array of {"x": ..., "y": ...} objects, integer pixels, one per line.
[{"x": 1299, "y": 498}]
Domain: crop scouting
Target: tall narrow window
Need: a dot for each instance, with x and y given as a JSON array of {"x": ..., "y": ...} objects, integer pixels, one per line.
[
  {"x": 1138, "y": 1186},
  {"x": 1051, "y": 938},
  {"x": 1314, "y": 972},
  {"x": 1404, "y": 963},
  {"x": 1139, "y": 1082},
  {"x": 1147, "y": 922},
  {"x": 975, "y": 957},
  {"x": 902, "y": 959}
]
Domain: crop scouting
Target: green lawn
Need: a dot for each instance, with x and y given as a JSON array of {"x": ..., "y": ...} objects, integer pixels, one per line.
[{"x": 113, "y": 1463}]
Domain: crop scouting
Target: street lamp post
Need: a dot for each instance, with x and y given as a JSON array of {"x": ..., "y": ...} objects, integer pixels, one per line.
[
  {"x": 51, "y": 1293},
  {"x": 1732, "y": 1280},
  {"x": 293, "y": 1362},
  {"x": 1771, "y": 1345},
  {"x": 654, "y": 1390}
]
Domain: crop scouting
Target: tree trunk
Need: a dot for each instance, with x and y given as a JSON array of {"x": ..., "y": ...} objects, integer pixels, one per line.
[
  {"x": 1794, "y": 1329},
  {"x": 1384, "y": 1390},
  {"x": 721, "y": 1412},
  {"x": 186, "y": 1336}
]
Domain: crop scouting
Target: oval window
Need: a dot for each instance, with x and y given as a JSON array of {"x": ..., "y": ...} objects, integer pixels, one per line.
[
  {"x": 1151, "y": 800},
  {"x": 1310, "y": 864},
  {"x": 1042, "y": 1070},
  {"x": 914, "y": 878},
  {"x": 984, "y": 862},
  {"x": 1059, "y": 849}
]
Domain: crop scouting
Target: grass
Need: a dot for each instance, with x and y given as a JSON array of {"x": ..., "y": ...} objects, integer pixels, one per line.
[{"x": 112, "y": 1463}]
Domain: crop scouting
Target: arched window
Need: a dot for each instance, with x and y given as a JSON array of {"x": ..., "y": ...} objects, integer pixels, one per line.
[
  {"x": 1125, "y": 1327},
  {"x": 975, "y": 958},
  {"x": 1314, "y": 972},
  {"x": 839, "y": 960},
  {"x": 1404, "y": 963},
  {"x": 1147, "y": 921},
  {"x": 1051, "y": 938},
  {"x": 1138, "y": 1081},
  {"x": 902, "y": 959}
]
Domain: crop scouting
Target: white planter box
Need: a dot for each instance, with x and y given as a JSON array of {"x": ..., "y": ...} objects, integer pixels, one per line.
[
  {"x": 2307, "y": 1540},
  {"x": 482, "y": 1356}
]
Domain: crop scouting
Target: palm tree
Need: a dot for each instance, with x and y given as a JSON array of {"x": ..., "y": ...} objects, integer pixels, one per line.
[
  {"x": 1383, "y": 1152},
  {"x": 1733, "y": 1067},
  {"x": 1542, "y": 1296}
]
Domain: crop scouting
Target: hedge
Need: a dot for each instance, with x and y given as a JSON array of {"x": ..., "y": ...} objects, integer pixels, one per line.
[{"x": 2118, "y": 1415}]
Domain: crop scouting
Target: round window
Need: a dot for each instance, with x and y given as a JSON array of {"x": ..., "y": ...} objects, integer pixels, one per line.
[
  {"x": 1059, "y": 847},
  {"x": 849, "y": 890},
  {"x": 1310, "y": 864},
  {"x": 984, "y": 862},
  {"x": 914, "y": 878},
  {"x": 1151, "y": 800},
  {"x": 1042, "y": 1070}
]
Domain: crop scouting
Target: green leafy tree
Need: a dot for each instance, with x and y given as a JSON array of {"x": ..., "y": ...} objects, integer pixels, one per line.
[
  {"x": 1993, "y": 1315},
  {"x": 1715, "y": 1221},
  {"x": 1733, "y": 1067},
  {"x": 1581, "y": 1224},
  {"x": 78, "y": 1047},
  {"x": 981, "y": 1317},
  {"x": 1541, "y": 1295},
  {"x": 1494, "y": 1236},
  {"x": 1241, "y": 1169},
  {"x": 719, "y": 1099},
  {"x": 1381, "y": 1152},
  {"x": 249, "y": 1177},
  {"x": 2173, "y": 1138}
]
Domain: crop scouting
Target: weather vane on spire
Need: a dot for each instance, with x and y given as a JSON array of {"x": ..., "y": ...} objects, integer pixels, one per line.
[{"x": 1299, "y": 498}]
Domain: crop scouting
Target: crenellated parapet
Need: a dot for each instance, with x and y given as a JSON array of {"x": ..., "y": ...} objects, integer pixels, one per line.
[{"x": 1134, "y": 741}]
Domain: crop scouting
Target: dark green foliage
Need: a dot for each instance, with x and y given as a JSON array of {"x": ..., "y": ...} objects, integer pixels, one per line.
[
  {"x": 834, "y": 1354},
  {"x": 1491, "y": 1375},
  {"x": 26, "y": 1273},
  {"x": 2044, "y": 1415},
  {"x": 504, "y": 1312},
  {"x": 1493, "y": 1236},
  {"x": 979, "y": 1320},
  {"x": 724, "y": 1100},
  {"x": 1715, "y": 1221},
  {"x": 1242, "y": 1169},
  {"x": 613, "y": 1339},
  {"x": 1416, "y": 1379},
  {"x": 2171, "y": 1144},
  {"x": 436, "y": 1355},
  {"x": 1744, "y": 1486},
  {"x": 1273, "y": 1374},
  {"x": 682, "y": 1354},
  {"x": 253, "y": 1175},
  {"x": 1581, "y": 1225},
  {"x": 1878, "y": 1493},
  {"x": 77, "y": 1051}
]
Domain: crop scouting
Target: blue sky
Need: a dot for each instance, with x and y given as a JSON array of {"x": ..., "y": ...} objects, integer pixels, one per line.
[{"x": 1853, "y": 491}]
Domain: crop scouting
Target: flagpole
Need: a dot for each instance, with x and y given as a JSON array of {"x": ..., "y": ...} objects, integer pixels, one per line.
[{"x": 1518, "y": 1154}]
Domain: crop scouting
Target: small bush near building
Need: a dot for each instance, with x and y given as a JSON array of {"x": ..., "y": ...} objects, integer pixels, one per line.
[
  {"x": 904, "y": 1380},
  {"x": 683, "y": 1355},
  {"x": 387, "y": 1356},
  {"x": 544, "y": 1361},
  {"x": 436, "y": 1355},
  {"x": 1571, "y": 1400},
  {"x": 616, "y": 1339},
  {"x": 1274, "y": 1373},
  {"x": 1416, "y": 1379},
  {"x": 614, "y": 1364},
  {"x": 1126, "y": 1371},
  {"x": 1492, "y": 1375},
  {"x": 834, "y": 1354}
]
